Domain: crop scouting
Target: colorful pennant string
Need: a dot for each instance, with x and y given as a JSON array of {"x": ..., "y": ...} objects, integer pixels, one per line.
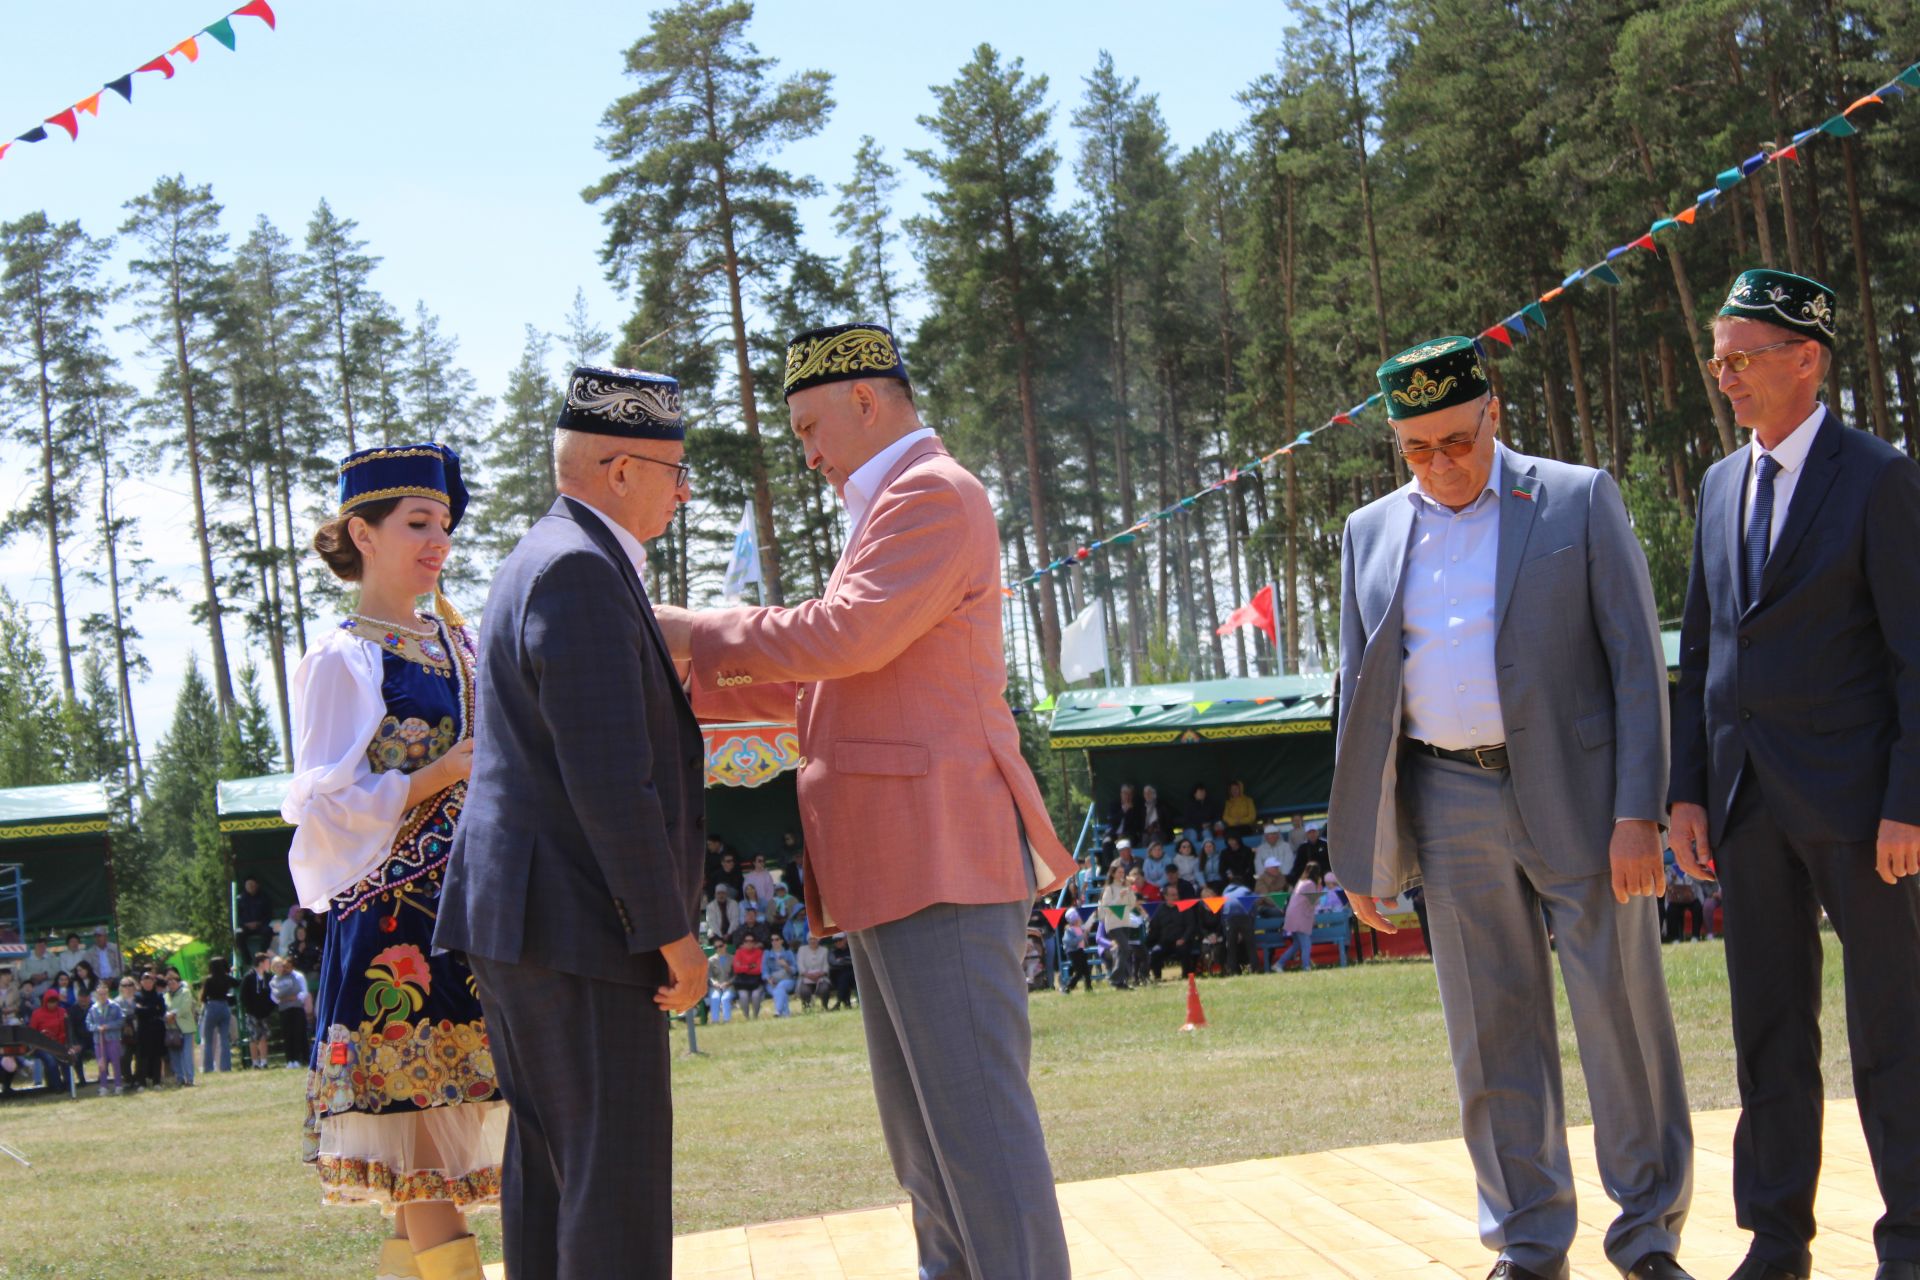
[
  {"x": 1503, "y": 331},
  {"x": 68, "y": 119}
]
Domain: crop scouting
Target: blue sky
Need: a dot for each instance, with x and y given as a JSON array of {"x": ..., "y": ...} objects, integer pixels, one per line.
[{"x": 460, "y": 137}]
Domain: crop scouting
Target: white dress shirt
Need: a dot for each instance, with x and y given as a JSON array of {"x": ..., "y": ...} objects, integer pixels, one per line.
[
  {"x": 636, "y": 550},
  {"x": 1450, "y": 694},
  {"x": 1791, "y": 454},
  {"x": 863, "y": 486}
]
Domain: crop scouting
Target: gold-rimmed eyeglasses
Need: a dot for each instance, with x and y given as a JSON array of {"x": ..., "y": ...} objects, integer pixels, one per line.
[
  {"x": 1455, "y": 447},
  {"x": 1739, "y": 360},
  {"x": 682, "y": 472}
]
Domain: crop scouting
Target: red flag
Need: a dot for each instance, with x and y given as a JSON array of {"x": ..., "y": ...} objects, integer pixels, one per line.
[
  {"x": 1644, "y": 242},
  {"x": 66, "y": 121},
  {"x": 1499, "y": 334},
  {"x": 1054, "y": 915},
  {"x": 1257, "y": 612},
  {"x": 1186, "y": 904},
  {"x": 159, "y": 64},
  {"x": 258, "y": 9}
]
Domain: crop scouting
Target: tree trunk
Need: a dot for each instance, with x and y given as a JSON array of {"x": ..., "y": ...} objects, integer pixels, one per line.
[
  {"x": 1759, "y": 199},
  {"x": 1904, "y": 380},
  {"x": 1869, "y": 329},
  {"x": 1817, "y": 235},
  {"x": 1123, "y": 471},
  {"x": 44, "y": 387},
  {"x": 749, "y": 406},
  {"x": 110, "y": 541},
  {"x": 1293, "y": 569},
  {"x": 1782, "y": 138},
  {"x": 216, "y": 635},
  {"x": 1366, "y": 211},
  {"x": 340, "y": 356},
  {"x": 1616, "y": 451},
  {"x": 1722, "y": 419},
  {"x": 1582, "y": 404}
]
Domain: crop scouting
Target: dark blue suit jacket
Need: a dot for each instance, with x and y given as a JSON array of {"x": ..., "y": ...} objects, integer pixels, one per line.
[
  {"x": 581, "y": 845},
  {"x": 1815, "y": 687}
]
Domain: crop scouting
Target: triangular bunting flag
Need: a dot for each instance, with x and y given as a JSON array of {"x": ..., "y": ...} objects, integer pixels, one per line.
[
  {"x": 258, "y": 9},
  {"x": 1053, "y": 915},
  {"x": 3, "y": 147},
  {"x": 1118, "y": 910},
  {"x": 1659, "y": 225},
  {"x": 1517, "y": 324},
  {"x": 36, "y": 134},
  {"x": 1707, "y": 197},
  {"x": 1839, "y": 127},
  {"x": 1804, "y": 136},
  {"x": 223, "y": 32},
  {"x": 1910, "y": 77},
  {"x": 1754, "y": 161},
  {"x": 66, "y": 120},
  {"x": 1727, "y": 178},
  {"x": 1186, "y": 904},
  {"x": 1045, "y": 704},
  {"x": 1499, "y": 334},
  {"x": 1688, "y": 214},
  {"x": 1605, "y": 274},
  {"x": 189, "y": 48},
  {"x": 159, "y": 64},
  {"x": 89, "y": 104},
  {"x": 1536, "y": 313},
  {"x": 123, "y": 86},
  {"x": 1573, "y": 279},
  {"x": 1788, "y": 152},
  {"x": 1277, "y": 899},
  {"x": 1644, "y": 242},
  {"x": 1152, "y": 908},
  {"x": 1200, "y": 708},
  {"x": 1214, "y": 904},
  {"x": 1085, "y": 913},
  {"x": 1871, "y": 100},
  {"x": 1617, "y": 250},
  {"x": 1553, "y": 293}
]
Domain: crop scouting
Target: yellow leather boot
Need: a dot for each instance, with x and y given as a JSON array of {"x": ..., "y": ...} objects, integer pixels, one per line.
[
  {"x": 396, "y": 1261},
  {"x": 457, "y": 1259}
]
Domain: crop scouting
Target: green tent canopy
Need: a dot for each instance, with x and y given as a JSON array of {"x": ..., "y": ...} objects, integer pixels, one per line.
[
  {"x": 257, "y": 836},
  {"x": 1274, "y": 733},
  {"x": 58, "y": 837}
]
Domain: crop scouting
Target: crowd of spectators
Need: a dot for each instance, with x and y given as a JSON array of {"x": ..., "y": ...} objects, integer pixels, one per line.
[{"x": 761, "y": 951}]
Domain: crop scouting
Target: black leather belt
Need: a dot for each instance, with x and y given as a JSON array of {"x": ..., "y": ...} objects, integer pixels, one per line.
[{"x": 1494, "y": 757}]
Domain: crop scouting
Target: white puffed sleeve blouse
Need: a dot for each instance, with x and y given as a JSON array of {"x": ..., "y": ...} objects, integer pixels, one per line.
[{"x": 346, "y": 815}]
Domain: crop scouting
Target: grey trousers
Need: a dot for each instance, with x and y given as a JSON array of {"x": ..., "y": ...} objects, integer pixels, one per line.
[
  {"x": 944, "y": 1002},
  {"x": 1486, "y": 890}
]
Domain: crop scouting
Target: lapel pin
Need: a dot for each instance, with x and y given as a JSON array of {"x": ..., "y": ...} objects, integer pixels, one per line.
[{"x": 1524, "y": 487}]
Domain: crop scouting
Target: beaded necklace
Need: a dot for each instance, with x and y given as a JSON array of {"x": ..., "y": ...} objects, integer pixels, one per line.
[{"x": 429, "y": 648}]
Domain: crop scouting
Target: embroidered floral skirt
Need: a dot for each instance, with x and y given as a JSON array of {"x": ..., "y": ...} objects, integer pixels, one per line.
[{"x": 402, "y": 1101}]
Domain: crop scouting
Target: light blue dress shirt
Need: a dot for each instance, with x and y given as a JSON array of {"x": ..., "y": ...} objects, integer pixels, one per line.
[{"x": 1450, "y": 694}]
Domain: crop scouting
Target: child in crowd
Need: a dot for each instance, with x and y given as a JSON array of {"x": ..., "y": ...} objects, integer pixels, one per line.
[
  {"x": 106, "y": 1020},
  {"x": 50, "y": 1020}
]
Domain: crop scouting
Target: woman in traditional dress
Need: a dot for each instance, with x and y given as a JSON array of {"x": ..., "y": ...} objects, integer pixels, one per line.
[{"x": 403, "y": 1107}]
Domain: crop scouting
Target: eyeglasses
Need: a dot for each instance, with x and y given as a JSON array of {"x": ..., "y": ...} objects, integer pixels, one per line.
[
  {"x": 681, "y": 471},
  {"x": 1739, "y": 360},
  {"x": 1456, "y": 447}
]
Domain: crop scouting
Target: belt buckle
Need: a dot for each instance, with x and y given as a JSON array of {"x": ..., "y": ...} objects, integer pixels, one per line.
[{"x": 1480, "y": 756}]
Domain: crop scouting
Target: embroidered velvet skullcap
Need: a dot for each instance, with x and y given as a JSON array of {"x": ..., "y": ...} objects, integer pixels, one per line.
[
  {"x": 403, "y": 471},
  {"x": 623, "y": 402},
  {"x": 1432, "y": 376},
  {"x": 840, "y": 353},
  {"x": 1781, "y": 298}
]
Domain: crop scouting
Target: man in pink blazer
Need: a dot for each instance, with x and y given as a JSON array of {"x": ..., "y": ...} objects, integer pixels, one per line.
[{"x": 927, "y": 838}]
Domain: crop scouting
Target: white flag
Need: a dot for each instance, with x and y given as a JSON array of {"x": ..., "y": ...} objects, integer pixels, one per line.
[
  {"x": 744, "y": 569},
  {"x": 1083, "y": 645}
]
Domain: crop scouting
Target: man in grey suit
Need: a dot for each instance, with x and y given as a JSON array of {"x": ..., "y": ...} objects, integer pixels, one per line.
[
  {"x": 574, "y": 880},
  {"x": 1503, "y": 740},
  {"x": 1796, "y": 753}
]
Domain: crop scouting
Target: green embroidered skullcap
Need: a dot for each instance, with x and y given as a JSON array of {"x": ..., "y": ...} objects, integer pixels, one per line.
[
  {"x": 1434, "y": 375},
  {"x": 1783, "y": 299}
]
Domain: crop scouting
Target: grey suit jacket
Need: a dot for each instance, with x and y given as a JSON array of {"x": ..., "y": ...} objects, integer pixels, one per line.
[
  {"x": 1815, "y": 687},
  {"x": 1581, "y": 675},
  {"x": 581, "y": 845}
]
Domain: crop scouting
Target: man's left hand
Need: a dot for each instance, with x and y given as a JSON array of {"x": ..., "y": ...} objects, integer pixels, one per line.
[
  {"x": 676, "y": 628},
  {"x": 1899, "y": 849},
  {"x": 1634, "y": 854}
]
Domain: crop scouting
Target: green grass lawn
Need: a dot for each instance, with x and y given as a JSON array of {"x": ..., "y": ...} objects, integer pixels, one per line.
[{"x": 776, "y": 1120}]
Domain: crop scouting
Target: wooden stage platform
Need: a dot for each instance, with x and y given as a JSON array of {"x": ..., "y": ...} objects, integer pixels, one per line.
[{"x": 1368, "y": 1213}]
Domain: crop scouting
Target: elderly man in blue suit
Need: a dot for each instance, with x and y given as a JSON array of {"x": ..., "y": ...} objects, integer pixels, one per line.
[
  {"x": 1503, "y": 741},
  {"x": 574, "y": 880},
  {"x": 1796, "y": 765}
]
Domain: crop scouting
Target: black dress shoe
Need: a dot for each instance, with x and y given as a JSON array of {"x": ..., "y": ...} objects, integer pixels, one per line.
[
  {"x": 1508, "y": 1270},
  {"x": 1755, "y": 1269},
  {"x": 1898, "y": 1269},
  {"x": 1657, "y": 1266}
]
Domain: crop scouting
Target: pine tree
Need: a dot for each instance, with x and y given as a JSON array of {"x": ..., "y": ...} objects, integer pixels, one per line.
[
  {"x": 518, "y": 455},
  {"x": 861, "y": 219},
  {"x": 181, "y": 289},
  {"x": 32, "y": 738},
  {"x": 698, "y": 217},
  {"x": 336, "y": 280},
  {"x": 51, "y": 298},
  {"x": 179, "y": 880}
]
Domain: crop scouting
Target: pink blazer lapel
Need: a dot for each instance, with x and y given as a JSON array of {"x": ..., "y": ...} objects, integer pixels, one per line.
[{"x": 928, "y": 448}]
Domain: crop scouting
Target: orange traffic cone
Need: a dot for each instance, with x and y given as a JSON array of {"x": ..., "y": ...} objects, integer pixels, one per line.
[{"x": 1196, "y": 1016}]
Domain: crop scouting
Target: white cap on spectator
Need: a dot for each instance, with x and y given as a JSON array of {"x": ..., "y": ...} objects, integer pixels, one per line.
[
  {"x": 1273, "y": 864},
  {"x": 1123, "y": 843},
  {"x": 1273, "y": 828}
]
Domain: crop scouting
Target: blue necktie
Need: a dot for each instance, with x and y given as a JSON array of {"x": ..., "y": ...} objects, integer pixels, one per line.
[{"x": 1760, "y": 525}]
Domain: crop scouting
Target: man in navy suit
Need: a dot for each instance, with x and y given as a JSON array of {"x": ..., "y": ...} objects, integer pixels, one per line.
[
  {"x": 1796, "y": 765},
  {"x": 575, "y": 874}
]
